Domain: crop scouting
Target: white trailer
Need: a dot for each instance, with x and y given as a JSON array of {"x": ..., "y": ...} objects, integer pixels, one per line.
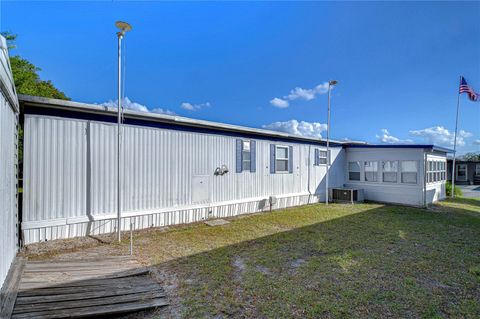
[
  {"x": 175, "y": 170},
  {"x": 179, "y": 170},
  {"x": 9, "y": 109}
]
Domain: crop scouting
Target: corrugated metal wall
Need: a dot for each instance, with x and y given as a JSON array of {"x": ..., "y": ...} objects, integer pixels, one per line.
[
  {"x": 8, "y": 165},
  {"x": 70, "y": 177}
]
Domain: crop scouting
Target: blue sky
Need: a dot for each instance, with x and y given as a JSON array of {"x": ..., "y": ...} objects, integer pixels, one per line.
[{"x": 397, "y": 63}]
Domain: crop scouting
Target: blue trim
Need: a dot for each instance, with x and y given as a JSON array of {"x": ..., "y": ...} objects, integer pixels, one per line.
[
  {"x": 290, "y": 159},
  {"x": 272, "y": 158},
  {"x": 429, "y": 146},
  {"x": 88, "y": 116},
  {"x": 239, "y": 155},
  {"x": 253, "y": 156}
]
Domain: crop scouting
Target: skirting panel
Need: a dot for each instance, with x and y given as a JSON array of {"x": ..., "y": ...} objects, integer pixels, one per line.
[{"x": 174, "y": 217}]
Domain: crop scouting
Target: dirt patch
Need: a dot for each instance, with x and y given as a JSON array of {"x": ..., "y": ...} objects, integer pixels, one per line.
[
  {"x": 81, "y": 247},
  {"x": 240, "y": 267},
  {"x": 263, "y": 270},
  {"x": 169, "y": 281},
  {"x": 297, "y": 263}
]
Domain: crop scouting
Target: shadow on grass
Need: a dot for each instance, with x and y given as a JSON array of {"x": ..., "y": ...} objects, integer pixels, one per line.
[
  {"x": 387, "y": 261},
  {"x": 384, "y": 262}
]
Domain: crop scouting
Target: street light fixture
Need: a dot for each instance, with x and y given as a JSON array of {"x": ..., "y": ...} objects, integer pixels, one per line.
[
  {"x": 331, "y": 84},
  {"x": 124, "y": 27}
]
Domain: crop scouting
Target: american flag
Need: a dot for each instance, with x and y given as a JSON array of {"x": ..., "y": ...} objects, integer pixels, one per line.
[{"x": 465, "y": 88}]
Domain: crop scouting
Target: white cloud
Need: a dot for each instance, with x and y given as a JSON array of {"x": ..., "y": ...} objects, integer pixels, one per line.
[
  {"x": 280, "y": 103},
  {"x": 194, "y": 107},
  {"x": 476, "y": 142},
  {"x": 300, "y": 93},
  {"x": 134, "y": 106},
  {"x": 387, "y": 138},
  {"x": 441, "y": 136},
  {"x": 159, "y": 110},
  {"x": 302, "y": 128}
]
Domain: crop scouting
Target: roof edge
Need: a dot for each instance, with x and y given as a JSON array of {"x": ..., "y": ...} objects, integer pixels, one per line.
[
  {"x": 423, "y": 146},
  {"x": 180, "y": 120}
]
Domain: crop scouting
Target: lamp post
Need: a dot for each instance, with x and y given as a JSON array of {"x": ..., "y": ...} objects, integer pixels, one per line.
[
  {"x": 124, "y": 27},
  {"x": 330, "y": 85}
]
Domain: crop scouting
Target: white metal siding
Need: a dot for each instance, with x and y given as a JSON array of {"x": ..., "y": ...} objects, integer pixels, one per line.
[
  {"x": 70, "y": 176},
  {"x": 409, "y": 194},
  {"x": 8, "y": 167},
  {"x": 436, "y": 191}
]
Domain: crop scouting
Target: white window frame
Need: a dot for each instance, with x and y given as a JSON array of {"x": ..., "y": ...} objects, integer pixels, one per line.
[
  {"x": 383, "y": 171},
  {"x": 359, "y": 171},
  {"x": 477, "y": 169},
  {"x": 463, "y": 179},
  {"x": 246, "y": 142},
  {"x": 287, "y": 159},
  {"x": 375, "y": 172},
  {"x": 402, "y": 171},
  {"x": 436, "y": 171},
  {"x": 320, "y": 157}
]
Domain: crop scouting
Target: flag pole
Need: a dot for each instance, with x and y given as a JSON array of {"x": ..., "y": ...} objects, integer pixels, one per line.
[
  {"x": 455, "y": 140},
  {"x": 328, "y": 144}
]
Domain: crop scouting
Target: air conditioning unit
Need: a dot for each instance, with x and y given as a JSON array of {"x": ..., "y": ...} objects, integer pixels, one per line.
[{"x": 345, "y": 195}]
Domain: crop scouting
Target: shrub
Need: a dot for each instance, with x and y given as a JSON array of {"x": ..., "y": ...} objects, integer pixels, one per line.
[{"x": 448, "y": 188}]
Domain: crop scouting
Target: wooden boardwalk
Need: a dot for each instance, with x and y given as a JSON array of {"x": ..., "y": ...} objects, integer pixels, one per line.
[{"x": 88, "y": 287}]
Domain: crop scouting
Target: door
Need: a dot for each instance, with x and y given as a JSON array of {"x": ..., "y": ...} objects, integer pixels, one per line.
[{"x": 461, "y": 172}]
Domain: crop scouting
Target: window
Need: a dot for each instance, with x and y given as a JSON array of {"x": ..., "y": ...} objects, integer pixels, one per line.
[
  {"x": 390, "y": 171},
  {"x": 461, "y": 171},
  {"x": 281, "y": 159},
  {"x": 246, "y": 156},
  {"x": 371, "y": 171},
  {"x": 354, "y": 171},
  {"x": 322, "y": 157},
  {"x": 477, "y": 169},
  {"x": 409, "y": 172},
  {"x": 436, "y": 171}
]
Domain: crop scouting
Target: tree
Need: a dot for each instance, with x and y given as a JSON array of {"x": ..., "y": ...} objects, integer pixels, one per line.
[
  {"x": 26, "y": 78},
  {"x": 472, "y": 157},
  {"x": 27, "y": 81}
]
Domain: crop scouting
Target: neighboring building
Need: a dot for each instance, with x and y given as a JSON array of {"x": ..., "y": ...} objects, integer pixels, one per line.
[
  {"x": 180, "y": 170},
  {"x": 466, "y": 172}
]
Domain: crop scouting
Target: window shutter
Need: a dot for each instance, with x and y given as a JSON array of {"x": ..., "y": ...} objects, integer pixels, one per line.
[
  {"x": 253, "y": 154},
  {"x": 272, "y": 158},
  {"x": 290, "y": 159},
  {"x": 239, "y": 148},
  {"x": 316, "y": 159}
]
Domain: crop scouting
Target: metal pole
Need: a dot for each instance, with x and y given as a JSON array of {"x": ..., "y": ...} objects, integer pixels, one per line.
[
  {"x": 119, "y": 194},
  {"x": 131, "y": 238},
  {"x": 328, "y": 145},
  {"x": 455, "y": 141}
]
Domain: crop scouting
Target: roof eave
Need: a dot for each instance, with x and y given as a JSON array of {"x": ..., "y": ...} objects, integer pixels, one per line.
[{"x": 95, "y": 108}]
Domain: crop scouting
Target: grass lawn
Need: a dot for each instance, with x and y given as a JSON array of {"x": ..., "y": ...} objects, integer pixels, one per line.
[{"x": 367, "y": 260}]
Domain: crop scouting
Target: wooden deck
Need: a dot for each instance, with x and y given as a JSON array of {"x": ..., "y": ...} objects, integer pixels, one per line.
[{"x": 82, "y": 288}]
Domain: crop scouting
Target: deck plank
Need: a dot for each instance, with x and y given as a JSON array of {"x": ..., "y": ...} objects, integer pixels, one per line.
[
  {"x": 9, "y": 293},
  {"x": 109, "y": 310},
  {"x": 84, "y": 288}
]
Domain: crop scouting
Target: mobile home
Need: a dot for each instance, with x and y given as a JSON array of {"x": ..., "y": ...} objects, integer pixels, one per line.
[{"x": 178, "y": 170}]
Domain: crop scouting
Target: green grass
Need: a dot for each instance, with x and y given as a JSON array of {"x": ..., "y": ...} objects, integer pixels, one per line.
[
  {"x": 366, "y": 260},
  {"x": 340, "y": 261}
]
